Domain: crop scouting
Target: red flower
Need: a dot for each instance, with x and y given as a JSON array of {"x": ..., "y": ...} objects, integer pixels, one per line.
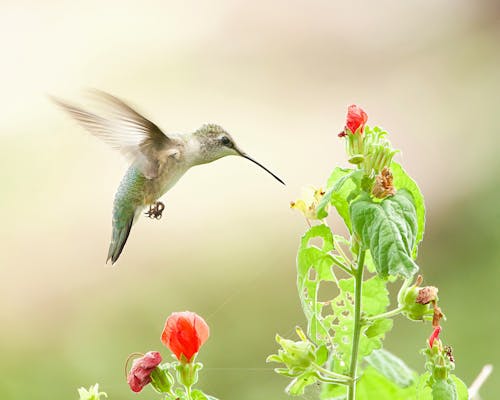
[
  {"x": 434, "y": 335},
  {"x": 184, "y": 334},
  {"x": 356, "y": 119},
  {"x": 140, "y": 373}
]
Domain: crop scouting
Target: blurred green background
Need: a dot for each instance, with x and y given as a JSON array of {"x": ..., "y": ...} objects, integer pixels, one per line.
[{"x": 278, "y": 76}]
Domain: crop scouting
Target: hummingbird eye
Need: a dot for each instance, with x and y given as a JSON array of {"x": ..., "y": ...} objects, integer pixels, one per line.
[{"x": 226, "y": 141}]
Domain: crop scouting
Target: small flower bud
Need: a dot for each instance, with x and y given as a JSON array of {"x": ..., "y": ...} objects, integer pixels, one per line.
[
  {"x": 92, "y": 393},
  {"x": 353, "y": 132},
  {"x": 296, "y": 354},
  {"x": 184, "y": 333},
  {"x": 161, "y": 380},
  {"x": 410, "y": 308},
  {"x": 434, "y": 335},
  {"x": 356, "y": 119}
]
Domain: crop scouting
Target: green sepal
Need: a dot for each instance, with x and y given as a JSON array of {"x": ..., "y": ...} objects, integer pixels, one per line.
[
  {"x": 161, "y": 379},
  {"x": 299, "y": 384},
  {"x": 187, "y": 373},
  {"x": 407, "y": 301}
]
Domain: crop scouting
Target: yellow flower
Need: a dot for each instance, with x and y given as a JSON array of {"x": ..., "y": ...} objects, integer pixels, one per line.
[{"x": 309, "y": 201}]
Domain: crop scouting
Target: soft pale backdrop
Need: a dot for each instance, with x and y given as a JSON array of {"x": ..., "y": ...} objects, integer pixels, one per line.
[{"x": 278, "y": 76}]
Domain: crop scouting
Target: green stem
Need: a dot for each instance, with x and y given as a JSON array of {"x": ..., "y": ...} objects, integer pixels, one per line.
[
  {"x": 331, "y": 374},
  {"x": 338, "y": 248},
  {"x": 388, "y": 314},
  {"x": 188, "y": 392},
  {"x": 341, "y": 265},
  {"x": 358, "y": 280}
]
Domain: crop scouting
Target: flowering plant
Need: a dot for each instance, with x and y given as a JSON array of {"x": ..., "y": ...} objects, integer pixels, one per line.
[
  {"x": 341, "y": 348},
  {"x": 184, "y": 334}
]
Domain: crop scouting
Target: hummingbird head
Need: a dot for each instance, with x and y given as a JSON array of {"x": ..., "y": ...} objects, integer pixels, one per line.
[{"x": 216, "y": 143}]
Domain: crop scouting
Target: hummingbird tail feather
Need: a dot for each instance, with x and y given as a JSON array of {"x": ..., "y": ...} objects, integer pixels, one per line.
[{"x": 119, "y": 238}]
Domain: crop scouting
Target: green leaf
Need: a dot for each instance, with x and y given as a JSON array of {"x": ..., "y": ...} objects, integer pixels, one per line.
[
  {"x": 343, "y": 185},
  {"x": 392, "y": 367},
  {"x": 403, "y": 181},
  {"x": 314, "y": 264},
  {"x": 199, "y": 395},
  {"x": 462, "y": 392},
  {"x": 379, "y": 327},
  {"x": 298, "y": 385},
  {"x": 375, "y": 299},
  {"x": 373, "y": 382},
  {"x": 388, "y": 229},
  {"x": 333, "y": 392}
]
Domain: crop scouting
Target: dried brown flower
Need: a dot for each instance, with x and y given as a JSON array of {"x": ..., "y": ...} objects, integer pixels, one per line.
[
  {"x": 427, "y": 294},
  {"x": 384, "y": 185}
]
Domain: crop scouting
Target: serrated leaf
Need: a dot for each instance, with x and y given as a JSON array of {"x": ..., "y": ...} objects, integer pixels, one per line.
[
  {"x": 343, "y": 185},
  {"x": 392, "y": 367},
  {"x": 318, "y": 260},
  {"x": 388, "y": 229},
  {"x": 403, "y": 181}
]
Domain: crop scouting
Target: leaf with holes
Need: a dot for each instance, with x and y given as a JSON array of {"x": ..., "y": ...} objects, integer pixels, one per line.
[
  {"x": 375, "y": 299},
  {"x": 314, "y": 265}
]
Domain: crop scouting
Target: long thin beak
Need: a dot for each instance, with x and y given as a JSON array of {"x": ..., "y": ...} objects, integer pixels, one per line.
[{"x": 260, "y": 165}]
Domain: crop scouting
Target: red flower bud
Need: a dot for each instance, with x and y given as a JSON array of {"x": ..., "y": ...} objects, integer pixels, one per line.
[
  {"x": 140, "y": 373},
  {"x": 356, "y": 119},
  {"x": 434, "y": 335},
  {"x": 184, "y": 333}
]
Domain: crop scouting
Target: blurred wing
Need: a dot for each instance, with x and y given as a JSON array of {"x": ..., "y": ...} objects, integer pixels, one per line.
[{"x": 139, "y": 139}]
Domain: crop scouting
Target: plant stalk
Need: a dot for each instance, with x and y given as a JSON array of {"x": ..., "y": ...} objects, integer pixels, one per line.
[
  {"x": 388, "y": 314},
  {"x": 358, "y": 281}
]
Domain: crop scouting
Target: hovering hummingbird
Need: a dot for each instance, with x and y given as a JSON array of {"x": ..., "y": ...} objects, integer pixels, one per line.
[{"x": 157, "y": 160}]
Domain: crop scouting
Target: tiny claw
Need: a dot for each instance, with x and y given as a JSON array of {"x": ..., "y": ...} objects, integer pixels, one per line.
[{"x": 155, "y": 210}]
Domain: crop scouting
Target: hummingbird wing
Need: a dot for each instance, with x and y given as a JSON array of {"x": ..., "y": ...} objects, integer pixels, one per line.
[{"x": 136, "y": 137}]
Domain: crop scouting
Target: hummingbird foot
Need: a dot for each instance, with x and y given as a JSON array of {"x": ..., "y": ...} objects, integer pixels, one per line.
[{"x": 155, "y": 210}]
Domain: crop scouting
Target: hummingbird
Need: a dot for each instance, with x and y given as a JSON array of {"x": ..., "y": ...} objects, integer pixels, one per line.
[{"x": 157, "y": 160}]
